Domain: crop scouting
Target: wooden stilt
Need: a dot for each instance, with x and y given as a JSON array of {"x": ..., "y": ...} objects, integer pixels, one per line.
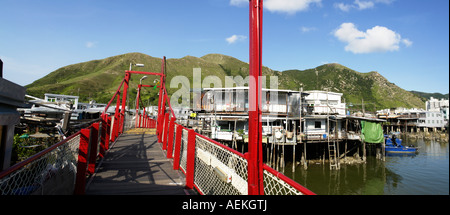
[{"x": 304, "y": 152}]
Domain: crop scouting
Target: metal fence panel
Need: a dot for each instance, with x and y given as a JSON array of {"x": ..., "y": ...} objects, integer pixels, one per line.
[
  {"x": 51, "y": 173},
  {"x": 219, "y": 171}
]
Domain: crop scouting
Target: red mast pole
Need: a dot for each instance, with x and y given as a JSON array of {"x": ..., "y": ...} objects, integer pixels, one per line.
[
  {"x": 136, "y": 125},
  {"x": 161, "y": 108},
  {"x": 124, "y": 100},
  {"x": 254, "y": 156}
]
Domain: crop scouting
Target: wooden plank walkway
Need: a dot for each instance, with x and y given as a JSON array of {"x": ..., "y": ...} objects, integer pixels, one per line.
[{"x": 136, "y": 165}]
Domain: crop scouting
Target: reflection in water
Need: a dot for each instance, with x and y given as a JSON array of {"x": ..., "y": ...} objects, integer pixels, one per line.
[{"x": 425, "y": 173}]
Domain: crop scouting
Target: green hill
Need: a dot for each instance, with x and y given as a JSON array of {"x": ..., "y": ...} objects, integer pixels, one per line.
[
  {"x": 427, "y": 96},
  {"x": 99, "y": 79},
  {"x": 376, "y": 91}
]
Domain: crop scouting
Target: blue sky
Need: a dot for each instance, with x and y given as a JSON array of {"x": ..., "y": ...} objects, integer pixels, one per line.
[{"x": 406, "y": 41}]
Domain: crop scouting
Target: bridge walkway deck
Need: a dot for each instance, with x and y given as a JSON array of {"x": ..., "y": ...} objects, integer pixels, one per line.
[{"x": 136, "y": 165}]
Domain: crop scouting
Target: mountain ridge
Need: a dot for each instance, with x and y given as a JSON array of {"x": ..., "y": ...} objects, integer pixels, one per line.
[{"x": 98, "y": 79}]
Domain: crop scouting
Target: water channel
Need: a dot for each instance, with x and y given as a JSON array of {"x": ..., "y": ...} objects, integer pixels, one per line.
[{"x": 424, "y": 173}]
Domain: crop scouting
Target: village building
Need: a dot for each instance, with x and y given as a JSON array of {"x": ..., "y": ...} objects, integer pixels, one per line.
[
  {"x": 435, "y": 105},
  {"x": 11, "y": 98}
]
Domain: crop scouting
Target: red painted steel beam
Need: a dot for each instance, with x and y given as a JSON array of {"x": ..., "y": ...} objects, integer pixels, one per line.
[
  {"x": 145, "y": 73},
  {"x": 93, "y": 145},
  {"x": 170, "y": 139},
  {"x": 104, "y": 135},
  {"x": 138, "y": 98},
  {"x": 160, "y": 100},
  {"x": 115, "y": 94},
  {"x": 143, "y": 85},
  {"x": 254, "y": 156},
  {"x": 168, "y": 101},
  {"x": 80, "y": 183},
  {"x": 124, "y": 100},
  {"x": 161, "y": 116},
  {"x": 190, "y": 159},
  {"x": 116, "y": 120},
  {"x": 166, "y": 131}
]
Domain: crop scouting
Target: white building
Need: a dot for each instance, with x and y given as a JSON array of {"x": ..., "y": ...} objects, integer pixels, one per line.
[
  {"x": 320, "y": 106},
  {"x": 431, "y": 119},
  {"x": 420, "y": 117},
  {"x": 436, "y": 105},
  {"x": 66, "y": 99},
  {"x": 235, "y": 99},
  {"x": 226, "y": 111},
  {"x": 323, "y": 102}
]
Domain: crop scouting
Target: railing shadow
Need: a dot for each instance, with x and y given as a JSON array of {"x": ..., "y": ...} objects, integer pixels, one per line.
[{"x": 136, "y": 165}]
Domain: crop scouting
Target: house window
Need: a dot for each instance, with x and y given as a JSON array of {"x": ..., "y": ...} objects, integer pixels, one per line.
[{"x": 317, "y": 124}]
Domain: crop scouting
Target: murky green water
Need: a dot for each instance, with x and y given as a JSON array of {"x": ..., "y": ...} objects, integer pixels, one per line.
[{"x": 426, "y": 173}]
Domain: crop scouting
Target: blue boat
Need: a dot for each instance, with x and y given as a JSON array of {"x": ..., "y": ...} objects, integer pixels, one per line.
[{"x": 394, "y": 145}]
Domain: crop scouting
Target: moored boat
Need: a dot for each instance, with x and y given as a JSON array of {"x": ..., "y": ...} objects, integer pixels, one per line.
[{"x": 394, "y": 145}]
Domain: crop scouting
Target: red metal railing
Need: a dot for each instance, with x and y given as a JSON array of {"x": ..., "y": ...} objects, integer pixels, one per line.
[
  {"x": 60, "y": 162},
  {"x": 207, "y": 164},
  {"x": 210, "y": 167}
]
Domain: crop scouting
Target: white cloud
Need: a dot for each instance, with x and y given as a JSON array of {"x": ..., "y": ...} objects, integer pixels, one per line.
[
  {"x": 238, "y": 2},
  {"x": 343, "y": 7},
  {"x": 376, "y": 39},
  {"x": 90, "y": 44},
  {"x": 384, "y": 1},
  {"x": 307, "y": 29},
  {"x": 235, "y": 38},
  {"x": 360, "y": 4},
  {"x": 289, "y": 6},
  {"x": 282, "y": 6},
  {"x": 407, "y": 42}
]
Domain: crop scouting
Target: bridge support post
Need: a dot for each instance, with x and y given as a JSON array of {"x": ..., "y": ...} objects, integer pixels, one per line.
[
  {"x": 104, "y": 135},
  {"x": 108, "y": 131},
  {"x": 137, "y": 123},
  {"x": 190, "y": 159},
  {"x": 166, "y": 128},
  {"x": 161, "y": 101},
  {"x": 161, "y": 117},
  {"x": 254, "y": 155},
  {"x": 124, "y": 101},
  {"x": 80, "y": 183},
  {"x": 116, "y": 120},
  {"x": 93, "y": 145}
]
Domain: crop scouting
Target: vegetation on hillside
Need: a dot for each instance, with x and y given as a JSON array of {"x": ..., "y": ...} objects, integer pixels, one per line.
[{"x": 98, "y": 80}]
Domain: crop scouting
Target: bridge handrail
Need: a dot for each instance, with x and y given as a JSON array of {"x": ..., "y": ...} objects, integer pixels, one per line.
[
  {"x": 273, "y": 179},
  {"x": 30, "y": 175},
  {"x": 61, "y": 168},
  {"x": 35, "y": 156},
  {"x": 213, "y": 168}
]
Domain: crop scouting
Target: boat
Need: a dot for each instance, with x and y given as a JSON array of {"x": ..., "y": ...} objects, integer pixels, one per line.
[{"x": 394, "y": 145}]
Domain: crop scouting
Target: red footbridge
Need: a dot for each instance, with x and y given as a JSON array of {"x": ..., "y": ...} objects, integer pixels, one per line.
[{"x": 137, "y": 154}]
